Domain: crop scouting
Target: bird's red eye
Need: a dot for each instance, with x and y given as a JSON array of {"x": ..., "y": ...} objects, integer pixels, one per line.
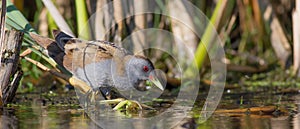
[{"x": 145, "y": 68}]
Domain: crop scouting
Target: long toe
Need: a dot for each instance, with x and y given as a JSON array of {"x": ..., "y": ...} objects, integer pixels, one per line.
[{"x": 128, "y": 105}]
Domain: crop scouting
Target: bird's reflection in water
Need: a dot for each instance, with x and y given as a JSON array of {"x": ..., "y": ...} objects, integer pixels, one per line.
[{"x": 103, "y": 114}]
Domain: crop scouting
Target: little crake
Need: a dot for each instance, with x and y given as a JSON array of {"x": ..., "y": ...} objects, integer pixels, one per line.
[{"x": 100, "y": 63}]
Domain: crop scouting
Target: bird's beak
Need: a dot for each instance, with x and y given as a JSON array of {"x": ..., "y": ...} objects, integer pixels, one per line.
[{"x": 153, "y": 79}]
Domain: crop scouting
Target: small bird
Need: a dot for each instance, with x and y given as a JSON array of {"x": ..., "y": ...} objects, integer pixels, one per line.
[{"x": 100, "y": 63}]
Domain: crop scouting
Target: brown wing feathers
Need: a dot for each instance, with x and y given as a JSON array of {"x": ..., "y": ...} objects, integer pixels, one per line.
[{"x": 65, "y": 48}]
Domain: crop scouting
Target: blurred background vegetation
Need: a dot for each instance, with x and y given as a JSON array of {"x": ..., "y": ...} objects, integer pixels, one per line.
[{"x": 258, "y": 37}]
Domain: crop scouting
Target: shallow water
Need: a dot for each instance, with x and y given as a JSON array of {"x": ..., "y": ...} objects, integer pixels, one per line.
[{"x": 35, "y": 111}]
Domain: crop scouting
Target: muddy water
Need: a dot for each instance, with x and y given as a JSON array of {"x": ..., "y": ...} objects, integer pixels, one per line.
[{"x": 35, "y": 111}]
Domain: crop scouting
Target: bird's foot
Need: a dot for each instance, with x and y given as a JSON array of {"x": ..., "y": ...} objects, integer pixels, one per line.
[
  {"x": 128, "y": 105},
  {"x": 122, "y": 104}
]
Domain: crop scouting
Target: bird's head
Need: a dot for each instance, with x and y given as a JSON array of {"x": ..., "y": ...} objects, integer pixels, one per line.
[{"x": 141, "y": 73}]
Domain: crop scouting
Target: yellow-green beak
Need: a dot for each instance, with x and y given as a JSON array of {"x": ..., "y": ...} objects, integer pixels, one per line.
[{"x": 156, "y": 82}]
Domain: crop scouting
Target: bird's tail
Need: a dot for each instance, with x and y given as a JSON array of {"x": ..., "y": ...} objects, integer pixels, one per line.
[{"x": 55, "y": 48}]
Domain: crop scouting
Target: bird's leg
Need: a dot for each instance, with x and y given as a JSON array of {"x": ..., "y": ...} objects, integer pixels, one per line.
[
  {"x": 118, "y": 101},
  {"x": 90, "y": 99}
]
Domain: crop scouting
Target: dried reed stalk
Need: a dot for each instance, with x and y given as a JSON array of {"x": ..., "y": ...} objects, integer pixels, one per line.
[{"x": 296, "y": 38}]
